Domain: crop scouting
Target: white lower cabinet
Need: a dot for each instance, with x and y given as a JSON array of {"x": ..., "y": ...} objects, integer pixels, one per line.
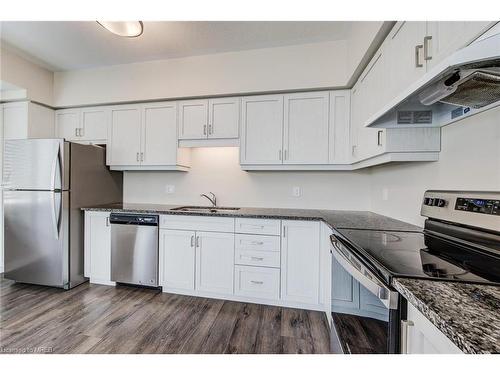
[
  {"x": 214, "y": 262},
  {"x": 420, "y": 336},
  {"x": 300, "y": 268},
  {"x": 97, "y": 248},
  {"x": 177, "y": 259},
  {"x": 258, "y": 282}
]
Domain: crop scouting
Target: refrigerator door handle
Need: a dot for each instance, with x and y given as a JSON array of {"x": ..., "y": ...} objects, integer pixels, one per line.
[
  {"x": 56, "y": 212},
  {"x": 56, "y": 167}
]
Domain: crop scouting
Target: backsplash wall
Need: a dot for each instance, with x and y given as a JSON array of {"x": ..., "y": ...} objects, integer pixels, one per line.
[{"x": 218, "y": 170}]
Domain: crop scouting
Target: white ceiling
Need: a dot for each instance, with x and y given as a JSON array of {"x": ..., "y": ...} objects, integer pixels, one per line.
[{"x": 77, "y": 45}]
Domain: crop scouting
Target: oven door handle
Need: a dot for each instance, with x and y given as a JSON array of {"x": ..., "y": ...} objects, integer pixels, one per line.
[{"x": 386, "y": 296}]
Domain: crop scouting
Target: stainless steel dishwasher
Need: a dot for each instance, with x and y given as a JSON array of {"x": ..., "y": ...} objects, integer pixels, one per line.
[{"x": 134, "y": 249}]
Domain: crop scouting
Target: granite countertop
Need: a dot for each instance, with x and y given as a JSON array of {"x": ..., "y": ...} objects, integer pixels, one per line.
[
  {"x": 337, "y": 219},
  {"x": 468, "y": 314}
]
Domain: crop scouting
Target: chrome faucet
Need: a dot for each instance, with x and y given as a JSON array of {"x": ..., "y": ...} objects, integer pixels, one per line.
[{"x": 212, "y": 200}]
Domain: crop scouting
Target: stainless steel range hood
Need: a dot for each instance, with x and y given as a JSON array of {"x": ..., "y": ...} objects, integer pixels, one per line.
[{"x": 466, "y": 83}]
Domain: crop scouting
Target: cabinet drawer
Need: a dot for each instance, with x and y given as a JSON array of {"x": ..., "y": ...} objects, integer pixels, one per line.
[
  {"x": 258, "y": 226},
  {"x": 198, "y": 223},
  {"x": 257, "y": 243},
  {"x": 257, "y": 282},
  {"x": 258, "y": 258}
]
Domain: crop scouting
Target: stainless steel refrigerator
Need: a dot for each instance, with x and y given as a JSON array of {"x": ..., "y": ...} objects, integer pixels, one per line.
[{"x": 46, "y": 182}]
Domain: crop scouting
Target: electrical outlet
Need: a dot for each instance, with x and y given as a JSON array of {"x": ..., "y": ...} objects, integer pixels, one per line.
[
  {"x": 169, "y": 189},
  {"x": 385, "y": 194},
  {"x": 297, "y": 191}
]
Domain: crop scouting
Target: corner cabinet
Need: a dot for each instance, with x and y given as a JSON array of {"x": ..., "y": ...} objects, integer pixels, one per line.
[{"x": 144, "y": 137}]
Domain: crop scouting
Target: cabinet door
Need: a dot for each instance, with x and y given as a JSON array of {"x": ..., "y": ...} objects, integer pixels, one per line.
[
  {"x": 405, "y": 55},
  {"x": 339, "y": 128},
  {"x": 159, "y": 134},
  {"x": 444, "y": 38},
  {"x": 177, "y": 259},
  {"x": 15, "y": 120},
  {"x": 125, "y": 136},
  {"x": 68, "y": 124},
  {"x": 300, "y": 261},
  {"x": 215, "y": 262},
  {"x": 193, "y": 115},
  {"x": 306, "y": 128},
  {"x": 95, "y": 123},
  {"x": 97, "y": 248},
  {"x": 345, "y": 289},
  {"x": 262, "y": 129},
  {"x": 223, "y": 118}
]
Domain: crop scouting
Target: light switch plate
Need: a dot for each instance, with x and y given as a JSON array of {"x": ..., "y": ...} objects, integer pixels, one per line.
[
  {"x": 297, "y": 191},
  {"x": 385, "y": 194}
]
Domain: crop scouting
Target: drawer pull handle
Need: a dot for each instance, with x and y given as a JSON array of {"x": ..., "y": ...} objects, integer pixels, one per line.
[
  {"x": 257, "y": 258},
  {"x": 257, "y": 243},
  {"x": 254, "y": 226},
  {"x": 257, "y": 282}
]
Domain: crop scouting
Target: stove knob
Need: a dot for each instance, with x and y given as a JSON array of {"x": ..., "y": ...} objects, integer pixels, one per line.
[{"x": 440, "y": 202}]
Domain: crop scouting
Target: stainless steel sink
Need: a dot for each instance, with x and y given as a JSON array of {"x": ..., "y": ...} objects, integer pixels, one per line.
[{"x": 205, "y": 209}]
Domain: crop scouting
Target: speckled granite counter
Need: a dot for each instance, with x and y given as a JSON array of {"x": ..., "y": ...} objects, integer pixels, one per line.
[
  {"x": 468, "y": 314},
  {"x": 334, "y": 218}
]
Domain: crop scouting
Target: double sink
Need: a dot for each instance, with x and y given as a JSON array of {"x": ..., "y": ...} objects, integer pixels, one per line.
[{"x": 205, "y": 209}]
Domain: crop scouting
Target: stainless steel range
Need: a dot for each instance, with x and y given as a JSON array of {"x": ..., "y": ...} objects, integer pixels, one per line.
[{"x": 460, "y": 242}]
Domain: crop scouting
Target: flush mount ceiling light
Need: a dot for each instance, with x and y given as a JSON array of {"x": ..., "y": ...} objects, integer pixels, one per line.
[{"x": 130, "y": 29}]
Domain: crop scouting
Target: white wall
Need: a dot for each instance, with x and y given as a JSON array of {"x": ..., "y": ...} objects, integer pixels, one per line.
[
  {"x": 469, "y": 160},
  {"x": 218, "y": 170},
  {"x": 37, "y": 81},
  {"x": 268, "y": 69}
]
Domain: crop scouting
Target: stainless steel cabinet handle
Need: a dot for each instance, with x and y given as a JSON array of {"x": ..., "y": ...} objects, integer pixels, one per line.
[
  {"x": 286, "y": 154},
  {"x": 257, "y": 282},
  {"x": 405, "y": 325},
  {"x": 379, "y": 137},
  {"x": 418, "y": 48},
  {"x": 204, "y": 129},
  {"x": 142, "y": 156},
  {"x": 279, "y": 155},
  {"x": 427, "y": 54},
  {"x": 353, "y": 150},
  {"x": 76, "y": 132},
  {"x": 192, "y": 241},
  {"x": 209, "y": 129},
  {"x": 197, "y": 242},
  {"x": 257, "y": 258},
  {"x": 257, "y": 243},
  {"x": 137, "y": 157},
  {"x": 284, "y": 231}
]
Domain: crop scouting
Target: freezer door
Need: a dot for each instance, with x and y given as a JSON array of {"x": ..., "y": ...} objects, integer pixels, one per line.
[
  {"x": 36, "y": 237},
  {"x": 35, "y": 164}
]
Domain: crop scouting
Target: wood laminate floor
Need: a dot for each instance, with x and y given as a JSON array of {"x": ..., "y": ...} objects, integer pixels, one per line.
[{"x": 122, "y": 319}]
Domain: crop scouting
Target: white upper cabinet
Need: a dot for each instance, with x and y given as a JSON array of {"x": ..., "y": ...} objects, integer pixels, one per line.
[
  {"x": 223, "y": 118},
  {"x": 405, "y": 56},
  {"x": 340, "y": 127},
  {"x": 22, "y": 120},
  {"x": 68, "y": 123},
  {"x": 89, "y": 125},
  {"x": 261, "y": 130},
  {"x": 145, "y": 137},
  {"x": 193, "y": 122},
  {"x": 125, "y": 136},
  {"x": 216, "y": 118},
  {"x": 443, "y": 38},
  {"x": 305, "y": 138},
  {"x": 158, "y": 131}
]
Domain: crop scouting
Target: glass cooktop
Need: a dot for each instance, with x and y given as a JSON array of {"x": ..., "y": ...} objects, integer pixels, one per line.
[{"x": 420, "y": 255}]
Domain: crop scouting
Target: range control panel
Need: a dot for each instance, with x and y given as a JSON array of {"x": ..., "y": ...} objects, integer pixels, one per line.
[
  {"x": 481, "y": 206},
  {"x": 479, "y": 209}
]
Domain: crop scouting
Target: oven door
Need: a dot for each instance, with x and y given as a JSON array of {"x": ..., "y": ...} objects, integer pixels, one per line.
[{"x": 364, "y": 310}]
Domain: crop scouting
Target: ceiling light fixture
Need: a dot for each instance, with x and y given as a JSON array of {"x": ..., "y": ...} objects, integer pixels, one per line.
[{"x": 130, "y": 29}]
